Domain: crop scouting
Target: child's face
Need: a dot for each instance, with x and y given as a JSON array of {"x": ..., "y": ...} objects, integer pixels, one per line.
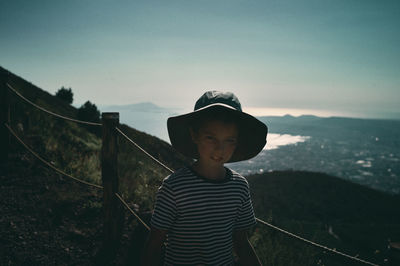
[{"x": 216, "y": 141}]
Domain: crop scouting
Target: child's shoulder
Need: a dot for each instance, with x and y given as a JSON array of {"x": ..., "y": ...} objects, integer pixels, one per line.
[
  {"x": 237, "y": 177},
  {"x": 185, "y": 175},
  {"x": 178, "y": 174}
]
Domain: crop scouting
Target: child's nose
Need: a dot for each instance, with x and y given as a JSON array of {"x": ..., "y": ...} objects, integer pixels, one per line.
[{"x": 220, "y": 146}]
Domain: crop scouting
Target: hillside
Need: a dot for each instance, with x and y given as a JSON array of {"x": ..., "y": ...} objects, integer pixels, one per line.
[
  {"x": 327, "y": 210},
  {"x": 75, "y": 148},
  {"x": 32, "y": 192},
  {"x": 51, "y": 220},
  {"x": 320, "y": 197}
]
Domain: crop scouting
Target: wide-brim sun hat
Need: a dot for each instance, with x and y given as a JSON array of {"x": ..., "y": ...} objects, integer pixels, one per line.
[{"x": 252, "y": 132}]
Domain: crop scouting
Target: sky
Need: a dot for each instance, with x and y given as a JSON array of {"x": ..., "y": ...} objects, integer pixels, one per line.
[{"x": 338, "y": 57}]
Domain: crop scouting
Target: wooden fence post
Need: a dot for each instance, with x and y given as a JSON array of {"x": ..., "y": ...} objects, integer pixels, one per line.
[
  {"x": 4, "y": 134},
  {"x": 113, "y": 210}
]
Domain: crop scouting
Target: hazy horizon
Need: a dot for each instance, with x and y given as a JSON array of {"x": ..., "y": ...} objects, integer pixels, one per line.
[
  {"x": 339, "y": 57},
  {"x": 274, "y": 111}
]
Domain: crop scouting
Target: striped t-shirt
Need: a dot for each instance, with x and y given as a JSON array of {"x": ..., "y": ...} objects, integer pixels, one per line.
[{"x": 200, "y": 216}]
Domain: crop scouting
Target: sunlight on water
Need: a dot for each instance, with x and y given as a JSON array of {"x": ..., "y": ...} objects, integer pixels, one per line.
[
  {"x": 276, "y": 140},
  {"x": 261, "y": 111}
]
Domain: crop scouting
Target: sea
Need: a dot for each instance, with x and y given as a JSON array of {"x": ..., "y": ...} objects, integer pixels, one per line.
[{"x": 361, "y": 150}]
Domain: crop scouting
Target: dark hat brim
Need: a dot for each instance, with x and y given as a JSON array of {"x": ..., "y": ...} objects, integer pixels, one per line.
[{"x": 252, "y": 132}]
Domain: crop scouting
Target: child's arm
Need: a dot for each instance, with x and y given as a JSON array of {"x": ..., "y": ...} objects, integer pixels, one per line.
[
  {"x": 243, "y": 248},
  {"x": 153, "y": 247}
]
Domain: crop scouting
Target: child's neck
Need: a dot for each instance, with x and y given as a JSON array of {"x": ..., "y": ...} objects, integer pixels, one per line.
[{"x": 218, "y": 172}]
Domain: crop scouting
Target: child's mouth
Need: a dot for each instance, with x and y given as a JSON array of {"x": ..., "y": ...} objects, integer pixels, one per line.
[{"x": 217, "y": 159}]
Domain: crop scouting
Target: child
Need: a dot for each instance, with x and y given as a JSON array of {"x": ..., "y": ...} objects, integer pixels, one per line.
[{"x": 203, "y": 211}]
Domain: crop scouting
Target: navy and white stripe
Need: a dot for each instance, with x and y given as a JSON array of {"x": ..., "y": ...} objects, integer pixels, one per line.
[{"x": 201, "y": 215}]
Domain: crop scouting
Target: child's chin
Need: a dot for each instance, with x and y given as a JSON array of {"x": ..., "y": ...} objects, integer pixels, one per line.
[{"x": 218, "y": 163}]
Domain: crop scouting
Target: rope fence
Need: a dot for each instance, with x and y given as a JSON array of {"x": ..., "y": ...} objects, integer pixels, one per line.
[
  {"x": 49, "y": 164},
  {"x": 49, "y": 112},
  {"x": 74, "y": 178},
  {"x": 132, "y": 211},
  {"x": 159, "y": 163},
  {"x": 315, "y": 244},
  {"x": 144, "y": 151}
]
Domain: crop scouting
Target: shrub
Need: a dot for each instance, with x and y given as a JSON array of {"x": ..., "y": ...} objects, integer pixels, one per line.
[
  {"x": 89, "y": 112},
  {"x": 65, "y": 94}
]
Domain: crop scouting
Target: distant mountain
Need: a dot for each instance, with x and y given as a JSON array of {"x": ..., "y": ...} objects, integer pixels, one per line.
[
  {"x": 318, "y": 126},
  {"x": 136, "y": 107}
]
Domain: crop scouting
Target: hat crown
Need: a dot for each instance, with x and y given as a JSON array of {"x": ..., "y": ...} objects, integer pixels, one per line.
[{"x": 215, "y": 97}]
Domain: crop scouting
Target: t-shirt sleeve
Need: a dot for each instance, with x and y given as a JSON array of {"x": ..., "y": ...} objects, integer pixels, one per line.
[
  {"x": 164, "y": 209},
  {"x": 246, "y": 217}
]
